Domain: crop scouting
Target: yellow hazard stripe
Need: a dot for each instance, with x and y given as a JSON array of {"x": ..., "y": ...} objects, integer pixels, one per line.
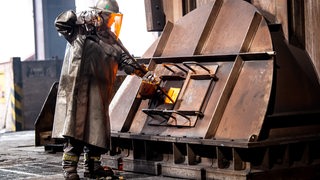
[
  {"x": 18, "y": 89},
  {"x": 17, "y": 103},
  {"x": 67, "y": 157},
  {"x": 95, "y": 158},
  {"x": 16, "y": 106}
]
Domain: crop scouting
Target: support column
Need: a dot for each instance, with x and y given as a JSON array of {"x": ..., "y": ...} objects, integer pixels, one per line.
[{"x": 17, "y": 95}]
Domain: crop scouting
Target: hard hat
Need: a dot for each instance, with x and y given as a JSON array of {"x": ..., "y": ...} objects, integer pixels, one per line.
[
  {"x": 110, "y": 12},
  {"x": 109, "y": 6}
]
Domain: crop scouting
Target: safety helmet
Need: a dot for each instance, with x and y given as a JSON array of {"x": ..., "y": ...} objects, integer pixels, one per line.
[
  {"x": 110, "y": 12},
  {"x": 109, "y": 6}
]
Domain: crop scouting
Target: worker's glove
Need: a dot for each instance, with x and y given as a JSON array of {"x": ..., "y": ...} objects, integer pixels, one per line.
[
  {"x": 89, "y": 19},
  {"x": 125, "y": 58},
  {"x": 141, "y": 71},
  {"x": 125, "y": 64},
  {"x": 130, "y": 66},
  {"x": 149, "y": 86},
  {"x": 66, "y": 25}
]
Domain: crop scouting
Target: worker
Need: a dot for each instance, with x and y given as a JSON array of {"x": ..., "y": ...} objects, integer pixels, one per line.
[{"x": 91, "y": 61}]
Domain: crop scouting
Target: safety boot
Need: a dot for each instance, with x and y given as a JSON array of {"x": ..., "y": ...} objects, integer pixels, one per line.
[
  {"x": 69, "y": 165},
  {"x": 94, "y": 170}
]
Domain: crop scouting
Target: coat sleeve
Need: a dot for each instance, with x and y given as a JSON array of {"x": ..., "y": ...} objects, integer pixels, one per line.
[
  {"x": 130, "y": 66},
  {"x": 66, "y": 25}
]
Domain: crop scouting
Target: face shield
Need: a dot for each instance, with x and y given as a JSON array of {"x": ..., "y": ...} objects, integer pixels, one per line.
[{"x": 114, "y": 23}]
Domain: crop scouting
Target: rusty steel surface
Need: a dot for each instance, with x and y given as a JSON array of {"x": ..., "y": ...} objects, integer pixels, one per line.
[
  {"x": 220, "y": 59},
  {"x": 230, "y": 28},
  {"x": 217, "y": 28},
  {"x": 185, "y": 34},
  {"x": 44, "y": 121},
  {"x": 245, "y": 106},
  {"x": 125, "y": 95}
]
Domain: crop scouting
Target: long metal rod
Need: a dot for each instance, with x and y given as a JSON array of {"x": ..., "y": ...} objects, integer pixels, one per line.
[
  {"x": 142, "y": 69},
  {"x": 118, "y": 42},
  {"x": 158, "y": 86}
]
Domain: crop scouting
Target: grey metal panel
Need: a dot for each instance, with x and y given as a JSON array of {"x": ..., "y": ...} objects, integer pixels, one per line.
[{"x": 53, "y": 43}]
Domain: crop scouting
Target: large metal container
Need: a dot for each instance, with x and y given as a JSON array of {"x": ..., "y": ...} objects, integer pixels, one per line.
[{"x": 243, "y": 106}]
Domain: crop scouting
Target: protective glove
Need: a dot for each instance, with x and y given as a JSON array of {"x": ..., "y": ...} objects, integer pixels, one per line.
[
  {"x": 149, "y": 85},
  {"x": 89, "y": 17},
  {"x": 141, "y": 71},
  {"x": 89, "y": 20},
  {"x": 130, "y": 66},
  {"x": 66, "y": 25}
]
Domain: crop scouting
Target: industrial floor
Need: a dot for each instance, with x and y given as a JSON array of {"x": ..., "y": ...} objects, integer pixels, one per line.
[{"x": 20, "y": 159}]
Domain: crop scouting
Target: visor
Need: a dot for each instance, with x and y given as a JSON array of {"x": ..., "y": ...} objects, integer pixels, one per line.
[{"x": 115, "y": 22}]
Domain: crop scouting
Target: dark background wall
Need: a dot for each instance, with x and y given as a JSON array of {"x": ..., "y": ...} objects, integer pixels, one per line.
[
  {"x": 37, "y": 79},
  {"x": 48, "y": 43}
]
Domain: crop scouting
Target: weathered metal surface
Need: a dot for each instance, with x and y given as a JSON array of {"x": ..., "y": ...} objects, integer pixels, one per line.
[
  {"x": 219, "y": 108},
  {"x": 126, "y": 94},
  {"x": 43, "y": 123},
  {"x": 312, "y": 40},
  {"x": 230, "y": 28},
  {"x": 202, "y": 124},
  {"x": 177, "y": 42},
  {"x": 259, "y": 42},
  {"x": 209, "y": 25},
  {"x": 297, "y": 86},
  {"x": 242, "y": 111},
  {"x": 199, "y": 159},
  {"x": 221, "y": 125},
  {"x": 246, "y": 109},
  {"x": 186, "y": 33},
  {"x": 193, "y": 95}
]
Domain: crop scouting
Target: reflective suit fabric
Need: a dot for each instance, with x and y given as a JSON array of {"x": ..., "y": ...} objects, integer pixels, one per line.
[{"x": 85, "y": 88}]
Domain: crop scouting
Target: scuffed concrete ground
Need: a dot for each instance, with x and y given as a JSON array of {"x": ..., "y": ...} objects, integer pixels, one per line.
[{"x": 20, "y": 159}]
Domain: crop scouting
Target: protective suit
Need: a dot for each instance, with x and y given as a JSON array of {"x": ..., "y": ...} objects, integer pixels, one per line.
[
  {"x": 88, "y": 74},
  {"x": 89, "y": 70}
]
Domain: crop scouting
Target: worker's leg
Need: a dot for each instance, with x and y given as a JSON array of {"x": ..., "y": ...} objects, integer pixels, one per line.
[
  {"x": 70, "y": 159},
  {"x": 92, "y": 163}
]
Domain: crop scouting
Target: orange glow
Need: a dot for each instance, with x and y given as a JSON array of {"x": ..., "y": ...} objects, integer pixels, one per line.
[
  {"x": 173, "y": 93},
  {"x": 115, "y": 22}
]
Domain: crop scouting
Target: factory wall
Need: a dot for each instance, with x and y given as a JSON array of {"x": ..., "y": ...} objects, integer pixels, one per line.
[{"x": 24, "y": 86}]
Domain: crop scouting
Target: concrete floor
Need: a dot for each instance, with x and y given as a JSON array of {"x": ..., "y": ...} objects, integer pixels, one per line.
[{"x": 20, "y": 159}]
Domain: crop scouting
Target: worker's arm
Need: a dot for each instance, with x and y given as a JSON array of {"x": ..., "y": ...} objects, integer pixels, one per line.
[
  {"x": 69, "y": 24},
  {"x": 131, "y": 67},
  {"x": 66, "y": 25}
]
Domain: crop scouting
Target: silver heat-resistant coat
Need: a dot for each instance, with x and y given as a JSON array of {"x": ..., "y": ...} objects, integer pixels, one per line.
[{"x": 85, "y": 88}]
